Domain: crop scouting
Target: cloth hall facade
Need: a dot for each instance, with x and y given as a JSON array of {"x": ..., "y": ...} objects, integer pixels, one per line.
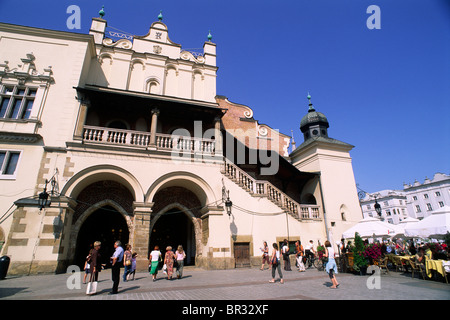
[{"x": 131, "y": 142}]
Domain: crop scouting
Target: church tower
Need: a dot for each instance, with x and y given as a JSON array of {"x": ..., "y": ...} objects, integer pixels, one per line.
[{"x": 331, "y": 159}]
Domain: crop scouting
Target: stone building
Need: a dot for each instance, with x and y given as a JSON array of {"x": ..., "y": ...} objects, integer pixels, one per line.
[{"x": 131, "y": 142}]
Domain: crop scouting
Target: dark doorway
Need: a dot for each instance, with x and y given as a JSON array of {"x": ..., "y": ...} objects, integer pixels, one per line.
[
  {"x": 106, "y": 225},
  {"x": 242, "y": 254},
  {"x": 172, "y": 229}
]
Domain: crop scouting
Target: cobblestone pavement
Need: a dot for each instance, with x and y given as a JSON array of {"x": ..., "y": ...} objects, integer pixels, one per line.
[{"x": 235, "y": 284}]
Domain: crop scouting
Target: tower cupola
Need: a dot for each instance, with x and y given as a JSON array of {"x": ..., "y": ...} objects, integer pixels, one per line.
[{"x": 314, "y": 124}]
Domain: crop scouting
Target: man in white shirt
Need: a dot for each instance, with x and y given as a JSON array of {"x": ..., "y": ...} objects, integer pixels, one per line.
[
  {"x": 116, "y": 260},
  {"x": 309, "y": 251}
]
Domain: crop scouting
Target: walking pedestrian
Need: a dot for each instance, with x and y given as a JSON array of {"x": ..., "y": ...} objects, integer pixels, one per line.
[
  {"x": 95, "y": 268},
  {"x": 87, "y": 265},
  {"x": 127, "y": 255},
  {"x": 133, "y": 267},
  {"x": 331, "y": 266},
  {"x": 180, "y": 255},
  {"x": 287, "y": 261},
  {"x": 265, "y": 255},
  {"x": 299, "y": 255},
  {"x": 275, "y": 261},
  {"x": 168, "y": 261},
  {"x": 310, "y": 252},
  {"x": 116, "y": 261},
  {"x": 155, "y": 258}
]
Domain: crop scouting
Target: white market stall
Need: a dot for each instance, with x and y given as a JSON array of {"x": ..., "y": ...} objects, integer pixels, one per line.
[
  {"x": 434, "y": 226},
  {"x": 402, "y": 225},
  {"x": 372, "y": 227}
]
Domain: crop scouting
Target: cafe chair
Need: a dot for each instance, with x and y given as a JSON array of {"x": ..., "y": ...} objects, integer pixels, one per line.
[
  {"x": 446, "y": 265},
  {"x": 415, "y": 267},
  {"x": 383, "y": 263}
]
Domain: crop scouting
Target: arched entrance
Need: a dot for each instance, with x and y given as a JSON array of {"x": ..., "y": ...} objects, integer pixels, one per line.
[
  {"x": 106, "y": 225},
  {"x": 176, "y": 220},
  {"x": 174, "y": 228}
]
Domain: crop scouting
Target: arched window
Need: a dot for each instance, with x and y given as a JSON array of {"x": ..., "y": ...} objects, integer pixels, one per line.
[
  {"x": 171, "y": 84},
  {"x": 137, "y": 76},
  {"x": 198, "y": 85}
]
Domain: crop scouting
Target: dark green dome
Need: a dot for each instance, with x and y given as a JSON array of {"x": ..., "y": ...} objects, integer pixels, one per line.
[{"x": 313, "y": 118}]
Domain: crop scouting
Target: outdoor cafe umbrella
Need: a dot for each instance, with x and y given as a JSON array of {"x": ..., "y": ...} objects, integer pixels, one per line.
[
  {"x": 434, "y": 226},
  {"x": 371, "y": 227},
  {"x": 402, "y": 225}
]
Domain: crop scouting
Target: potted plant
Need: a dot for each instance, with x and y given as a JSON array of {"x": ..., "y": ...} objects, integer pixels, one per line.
[
  {"x": 373, "y": 252},
  {"x": 359, "y": 260}
]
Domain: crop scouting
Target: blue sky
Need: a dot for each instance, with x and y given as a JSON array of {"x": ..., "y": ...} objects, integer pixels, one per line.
[{"x": 386, "y": 91}]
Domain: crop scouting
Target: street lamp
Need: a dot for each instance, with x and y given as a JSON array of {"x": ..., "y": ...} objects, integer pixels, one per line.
[
  {"x": 43, "y": 200},
  {"x": 228, "y": 203},
  {"x": 377, "y": 208}
]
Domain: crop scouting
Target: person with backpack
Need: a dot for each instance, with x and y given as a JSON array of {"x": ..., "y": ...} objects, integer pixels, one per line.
[
  {"x": 287, "y": 261},
  {"x": 275, "y": 262}
]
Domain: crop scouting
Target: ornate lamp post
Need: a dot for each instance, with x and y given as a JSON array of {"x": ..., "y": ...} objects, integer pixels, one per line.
[
  {"x": 378, "y": 209},
  {"x": 228, "y": 203}
]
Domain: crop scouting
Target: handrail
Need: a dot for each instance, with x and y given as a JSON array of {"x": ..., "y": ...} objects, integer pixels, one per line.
[{"x": 267, "y": 189}]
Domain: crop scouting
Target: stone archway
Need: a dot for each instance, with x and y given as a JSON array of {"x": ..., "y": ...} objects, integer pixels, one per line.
[
  {"x": 93, "y": 202},
  {"x": 173, "y": 206}
]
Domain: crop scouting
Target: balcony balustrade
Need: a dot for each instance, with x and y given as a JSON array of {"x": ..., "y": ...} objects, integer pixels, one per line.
[{"x": 140, "y": 139}]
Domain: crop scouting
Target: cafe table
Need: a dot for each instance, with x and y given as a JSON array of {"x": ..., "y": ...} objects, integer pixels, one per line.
[{"x": 435, "y": 265}]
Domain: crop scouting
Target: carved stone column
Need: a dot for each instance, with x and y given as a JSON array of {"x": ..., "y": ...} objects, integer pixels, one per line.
[
  {"x": 155, "y": 114},
  {"x": 218, "y": 136},
  {"x": 81, "y": 119}
]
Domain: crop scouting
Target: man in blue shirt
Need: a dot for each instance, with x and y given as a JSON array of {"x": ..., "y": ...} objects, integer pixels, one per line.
[{"x": 116, "y": 261}]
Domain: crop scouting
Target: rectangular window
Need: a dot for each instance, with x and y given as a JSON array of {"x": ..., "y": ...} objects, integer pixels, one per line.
[
  {"x": 441, "y": 204},
  {"x": 437, "y": 193},
  {"x": 8, "y": 163},
  {"x": 414, "y": 198},
  {"x": 429, "y": 207},
  {"x": 16, "y": 102},
  {"x": 418, "y": 209},
  {"x": 425, "y": 196}
]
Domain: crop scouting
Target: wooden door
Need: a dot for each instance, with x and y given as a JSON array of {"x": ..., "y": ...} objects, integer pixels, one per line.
[{"x": 242, "y": 255}]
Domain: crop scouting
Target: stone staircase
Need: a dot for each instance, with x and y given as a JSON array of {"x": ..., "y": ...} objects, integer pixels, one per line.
[{"x": 263, "y": 188}]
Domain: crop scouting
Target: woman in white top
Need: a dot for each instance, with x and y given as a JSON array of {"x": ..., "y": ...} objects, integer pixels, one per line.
[
  {"x": 331, "y": 264},
  {"x": 275, "y": 261},
  {"x": 180, "y": 255},
  {"x": 155, "y": 257}
]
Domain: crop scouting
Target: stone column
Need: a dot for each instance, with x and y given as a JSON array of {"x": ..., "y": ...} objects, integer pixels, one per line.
[
  {"x": 218, "y": 135},
  {"x": 141, "y": 234},
  {"x": 81, "y": 120},
  {"x": 155, "y": 114}
]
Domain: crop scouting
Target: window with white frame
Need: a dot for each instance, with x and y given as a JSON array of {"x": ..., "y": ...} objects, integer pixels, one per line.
[
  {"x": 8, "y": 163},
  {"x": 16, "y": 102},
  {"x": 437, "y": 193},
  {"x": 425, "y": 196},
  {"x": 429, "y": 207},
  {"x": 418, "y": 209},
  {"x": 441, "y": 204}
]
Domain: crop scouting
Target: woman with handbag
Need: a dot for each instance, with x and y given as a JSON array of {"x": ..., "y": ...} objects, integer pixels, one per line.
[
  {"x": 168, "y": 262},
  {"x": 265, "y": 255},
  {"x": 127, "y": 255},
  {"x": 331, "y": 267},
  {"x": 275, "y": 262}
]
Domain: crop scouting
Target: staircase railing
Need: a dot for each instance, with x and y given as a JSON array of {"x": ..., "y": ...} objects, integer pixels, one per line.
[{"x": 266, "y": 189}]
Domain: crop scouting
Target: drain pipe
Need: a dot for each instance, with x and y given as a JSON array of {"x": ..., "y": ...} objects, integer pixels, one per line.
[{"x": 323, "y": 206}]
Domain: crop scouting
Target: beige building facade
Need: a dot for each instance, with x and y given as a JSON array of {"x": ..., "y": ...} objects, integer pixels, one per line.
[{"x": 131, "y": 142}]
